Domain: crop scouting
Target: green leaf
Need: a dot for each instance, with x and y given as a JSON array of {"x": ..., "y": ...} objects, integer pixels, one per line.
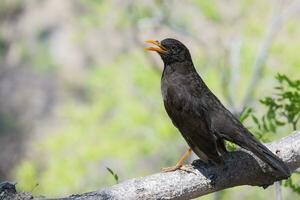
[
  {"x": 289, "y": 183},
  {"x": 230, "y": 146},
  {"x": 279, "y": 123},
  {"x": 255, "y": 120},
  {"x": 265, "y": 124},
  {"x": 245, "y": 114},
  {"x": 272, "y": 127},
  {"x": 113, "y": 174}
]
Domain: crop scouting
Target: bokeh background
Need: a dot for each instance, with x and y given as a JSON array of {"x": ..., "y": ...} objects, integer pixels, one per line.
[{"x": 78, "y": 93}]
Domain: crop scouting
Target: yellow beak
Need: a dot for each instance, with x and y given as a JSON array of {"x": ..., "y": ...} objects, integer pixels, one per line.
[{"x": 160, "y": 48}]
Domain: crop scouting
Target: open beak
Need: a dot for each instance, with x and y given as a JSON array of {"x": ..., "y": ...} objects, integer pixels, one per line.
[{"x": 159, "y": 48}]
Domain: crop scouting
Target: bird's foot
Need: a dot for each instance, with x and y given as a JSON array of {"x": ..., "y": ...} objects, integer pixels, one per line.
[
  {"x": 186, "y": 168},
  {"x": 180, "y": 165},
  {"x": 171, "y": 169}
]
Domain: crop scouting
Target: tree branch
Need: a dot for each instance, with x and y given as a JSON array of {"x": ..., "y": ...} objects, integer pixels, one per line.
[{"x": 240, "y": 168}]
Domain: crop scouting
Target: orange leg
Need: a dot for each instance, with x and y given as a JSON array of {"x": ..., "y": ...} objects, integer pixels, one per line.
[{"x": 179, "y": 164}]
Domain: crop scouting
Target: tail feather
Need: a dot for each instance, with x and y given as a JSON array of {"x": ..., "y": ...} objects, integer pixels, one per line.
[
  {"x": 252, "y": 144},
  {"x": 267, "y": 156}
]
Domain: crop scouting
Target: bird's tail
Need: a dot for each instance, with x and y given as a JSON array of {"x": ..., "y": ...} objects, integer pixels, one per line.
[{"x": 261, "y": 151}]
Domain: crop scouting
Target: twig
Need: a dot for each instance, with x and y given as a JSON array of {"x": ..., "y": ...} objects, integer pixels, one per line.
[
  {"x": 278, "y": 192},
  {"x": 234, "y": 61}
]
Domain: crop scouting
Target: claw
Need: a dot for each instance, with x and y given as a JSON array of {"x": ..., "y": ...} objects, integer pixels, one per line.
[
  {"x": 186, "y": 168},
  {"x": 172, "y": 169}
]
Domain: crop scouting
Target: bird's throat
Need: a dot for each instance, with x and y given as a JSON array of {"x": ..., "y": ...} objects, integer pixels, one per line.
[{"x": 179, "y": 67}]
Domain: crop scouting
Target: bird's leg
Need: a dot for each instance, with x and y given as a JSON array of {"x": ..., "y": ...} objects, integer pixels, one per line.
[{"x": 179, "y": 164}]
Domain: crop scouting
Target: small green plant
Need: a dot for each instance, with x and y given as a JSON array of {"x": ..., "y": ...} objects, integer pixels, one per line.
[
  {"x": 116, "y": 177},
  {"x": 245, "y": 114},
  {"x": 283, "y": 109},
  {"x": 294, "y": 187}
]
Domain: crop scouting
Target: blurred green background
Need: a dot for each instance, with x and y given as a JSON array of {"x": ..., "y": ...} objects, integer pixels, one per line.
[{"x": 78, "y": 93}]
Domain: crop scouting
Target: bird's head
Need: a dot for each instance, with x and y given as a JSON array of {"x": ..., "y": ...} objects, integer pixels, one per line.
[{"x": 170, "y": 50}]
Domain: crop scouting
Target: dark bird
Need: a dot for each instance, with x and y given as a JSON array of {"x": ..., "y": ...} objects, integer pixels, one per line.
[{"x": 198, "y": 114}]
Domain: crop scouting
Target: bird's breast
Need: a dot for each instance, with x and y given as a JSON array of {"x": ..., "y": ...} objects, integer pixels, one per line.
[
  {"x": 174, "y": 91},
  {"x": 173, "y": 83}
]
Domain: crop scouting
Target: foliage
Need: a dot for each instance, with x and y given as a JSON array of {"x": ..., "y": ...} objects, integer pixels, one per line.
[
  {"x": 283, "y": 109},
  {"x": 116, "y": 177},
  {"x": 290, "y": 183},
  {"x": 245, "y": 114}
]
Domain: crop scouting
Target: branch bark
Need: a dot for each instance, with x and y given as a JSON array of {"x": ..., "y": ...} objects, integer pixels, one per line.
[{"x": 241, "y": 168}]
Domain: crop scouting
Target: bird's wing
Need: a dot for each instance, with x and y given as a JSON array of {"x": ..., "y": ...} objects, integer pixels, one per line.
[{"x": 187, "y": 115}]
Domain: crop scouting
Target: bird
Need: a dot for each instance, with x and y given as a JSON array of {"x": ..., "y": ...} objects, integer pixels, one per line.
[{"x": 203, "y": 121}]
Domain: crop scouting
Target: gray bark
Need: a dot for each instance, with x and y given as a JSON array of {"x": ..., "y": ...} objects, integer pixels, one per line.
[{"x": 240, "y": 168}]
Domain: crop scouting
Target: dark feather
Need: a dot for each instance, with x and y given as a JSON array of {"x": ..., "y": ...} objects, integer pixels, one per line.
[{"x": 198, "y": 114}]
